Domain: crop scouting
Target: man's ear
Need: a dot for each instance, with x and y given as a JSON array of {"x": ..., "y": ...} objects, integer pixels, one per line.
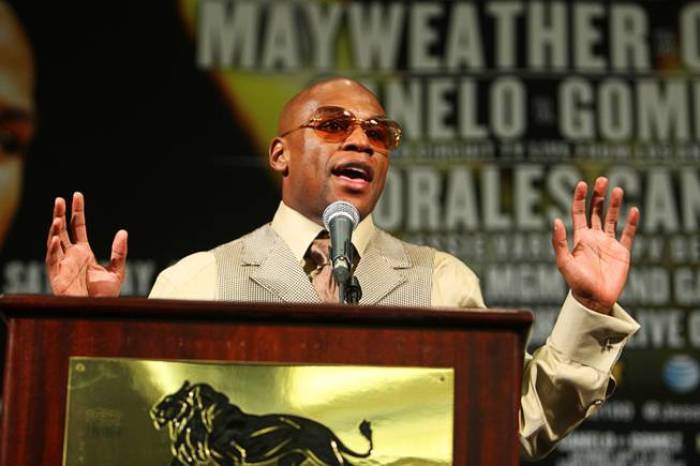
[{"x": 279, "y": 156}]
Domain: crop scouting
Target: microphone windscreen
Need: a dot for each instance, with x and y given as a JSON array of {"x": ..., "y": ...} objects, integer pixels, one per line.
[{"x": 341, "y": 208}]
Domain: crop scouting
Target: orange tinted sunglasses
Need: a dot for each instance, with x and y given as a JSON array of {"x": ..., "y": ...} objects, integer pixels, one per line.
[{"x": 335, "y": 124}]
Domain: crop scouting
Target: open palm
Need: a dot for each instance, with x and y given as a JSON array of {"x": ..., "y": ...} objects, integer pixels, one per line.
[
  {"x": 71, "y": 265},
  {"x": 596, "y": 269}
]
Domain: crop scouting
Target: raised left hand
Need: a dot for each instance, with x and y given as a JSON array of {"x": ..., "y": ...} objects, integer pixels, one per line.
[
  {"x": 70, "y": 263},
  {"x": 596, "y": 269}
]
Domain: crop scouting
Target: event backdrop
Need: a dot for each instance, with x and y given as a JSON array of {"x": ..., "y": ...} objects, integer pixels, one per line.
[{"x": 161, "y": 112}]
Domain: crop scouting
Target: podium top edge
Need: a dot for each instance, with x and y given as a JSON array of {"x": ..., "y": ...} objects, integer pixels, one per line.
[{"x": 42, "y": 306}]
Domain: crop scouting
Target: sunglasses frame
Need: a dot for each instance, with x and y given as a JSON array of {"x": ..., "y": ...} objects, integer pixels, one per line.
[
  {"x": 16, "y": 129},
  {"x": 315, "y": 120}
]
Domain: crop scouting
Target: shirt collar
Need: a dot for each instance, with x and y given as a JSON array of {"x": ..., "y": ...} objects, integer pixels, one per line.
[{"x": 299, "y": 232}]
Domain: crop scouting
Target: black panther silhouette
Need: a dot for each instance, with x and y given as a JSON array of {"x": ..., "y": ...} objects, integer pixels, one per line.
[{"x": 205, "y": 427}]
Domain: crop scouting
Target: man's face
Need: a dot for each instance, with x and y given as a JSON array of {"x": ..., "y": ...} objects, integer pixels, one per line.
[
  {"x": 320, "y": 172},
  {"x": 16, "y": 103}
]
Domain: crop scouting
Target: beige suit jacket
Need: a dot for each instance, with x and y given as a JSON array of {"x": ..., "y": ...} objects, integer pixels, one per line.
[{"x": 564, "y": 381}]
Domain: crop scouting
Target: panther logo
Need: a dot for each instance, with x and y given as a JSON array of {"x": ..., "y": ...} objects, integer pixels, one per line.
[{"x": 206, "y": 428}]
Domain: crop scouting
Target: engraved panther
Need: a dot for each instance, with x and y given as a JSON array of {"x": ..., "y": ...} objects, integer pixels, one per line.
[{"x": 206, "y": 428}]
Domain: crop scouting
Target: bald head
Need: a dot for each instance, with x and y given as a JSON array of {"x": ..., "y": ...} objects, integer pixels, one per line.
[{"x": 300, "y": 107}]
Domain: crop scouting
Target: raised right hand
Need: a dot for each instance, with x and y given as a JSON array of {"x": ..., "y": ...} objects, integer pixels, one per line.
[{"x": 71, "y": 265}]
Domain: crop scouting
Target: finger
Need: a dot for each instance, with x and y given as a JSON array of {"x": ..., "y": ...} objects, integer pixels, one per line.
[
  {"x": 598, "y": 202},
  {"x": 54, "y": 232},
  {"x": 613, "y": 212},
  {"x": 578, "y": 208},
  {"x": 561, "y": 247},
  {"x": 117, "y": 263},
  {"x": 59, "y": 218},
  {"x": 53, "y": 221},
  {"x": 630, "y": 229},
  {"x": 77, "y": 220},
  {"x": 54, "y": 254}
]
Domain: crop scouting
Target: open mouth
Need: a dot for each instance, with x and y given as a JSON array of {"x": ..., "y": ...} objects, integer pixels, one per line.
[{"x": 354, "y": 172}]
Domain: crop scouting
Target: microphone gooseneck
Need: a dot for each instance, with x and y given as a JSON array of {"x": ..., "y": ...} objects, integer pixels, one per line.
[{"x": 340, "y": 219}]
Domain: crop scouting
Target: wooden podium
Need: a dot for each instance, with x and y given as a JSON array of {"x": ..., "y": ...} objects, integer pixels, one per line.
[{"x": 485, "y": 348}]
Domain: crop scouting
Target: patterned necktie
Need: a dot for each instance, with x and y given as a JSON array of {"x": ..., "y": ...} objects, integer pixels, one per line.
[{"x": 319, "y": 269}]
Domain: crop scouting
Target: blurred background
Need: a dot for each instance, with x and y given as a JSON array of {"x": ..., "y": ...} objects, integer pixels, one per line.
[{"x": 161, "y": 112}]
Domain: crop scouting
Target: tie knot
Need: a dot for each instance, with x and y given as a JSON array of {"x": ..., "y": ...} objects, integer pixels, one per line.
[
  {"x": 318, "y": 254},
  {"x": 319, "y": 251}
]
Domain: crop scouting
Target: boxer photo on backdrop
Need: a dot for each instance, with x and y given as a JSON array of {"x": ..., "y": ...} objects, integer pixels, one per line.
[{"x": 16, "y": 112}]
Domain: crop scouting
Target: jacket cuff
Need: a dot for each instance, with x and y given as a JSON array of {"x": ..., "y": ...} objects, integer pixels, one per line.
[{"x": 589, "y": 337}]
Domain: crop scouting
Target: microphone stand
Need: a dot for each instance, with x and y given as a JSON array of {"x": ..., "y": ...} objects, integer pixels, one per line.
[
  {"x": 350, "y": 291},
  {"x": 349, "y": 288}
]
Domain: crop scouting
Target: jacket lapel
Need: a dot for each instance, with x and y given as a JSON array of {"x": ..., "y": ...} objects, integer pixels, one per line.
[
  {"x": 380, "y": 270},
  {"x": 276, "y": 269}
]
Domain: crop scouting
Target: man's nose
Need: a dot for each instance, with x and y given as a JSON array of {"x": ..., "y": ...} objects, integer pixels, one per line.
[{"x": 358, "y": 141}]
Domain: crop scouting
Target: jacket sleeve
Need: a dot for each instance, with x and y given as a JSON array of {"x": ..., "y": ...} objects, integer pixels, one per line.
[
  {"x": 564, "y": 381},
  {"x": 570, "y": 377}
]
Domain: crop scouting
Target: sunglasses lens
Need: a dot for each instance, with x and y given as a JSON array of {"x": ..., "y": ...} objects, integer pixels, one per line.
[
  {"x": 334, "y": 127},
  {"x": 333, "y": 124},
  {"x": 382, "y": 134}
]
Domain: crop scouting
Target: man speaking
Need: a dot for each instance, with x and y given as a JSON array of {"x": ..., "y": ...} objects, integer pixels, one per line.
[{"x": 333, "y": 144}]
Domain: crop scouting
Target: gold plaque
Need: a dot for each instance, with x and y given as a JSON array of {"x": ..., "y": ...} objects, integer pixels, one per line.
[{"x": 148, "y": 412}]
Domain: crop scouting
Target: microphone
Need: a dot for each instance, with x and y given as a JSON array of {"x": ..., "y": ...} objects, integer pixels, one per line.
[{"x": 340, "y": 219}]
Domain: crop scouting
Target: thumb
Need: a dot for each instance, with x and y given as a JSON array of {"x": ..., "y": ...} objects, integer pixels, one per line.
[{"x": 117, "y": 262}]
